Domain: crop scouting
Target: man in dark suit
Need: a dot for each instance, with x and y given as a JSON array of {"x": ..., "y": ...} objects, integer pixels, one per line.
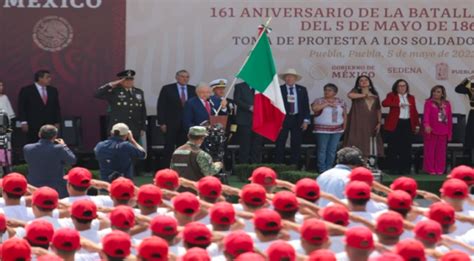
[
  {"x": 170, "y": 112},
  {"x": 126, "y": 103},
  {"x": 38, "y": 104},
  {"x": 250, "y": 150},
  {"x": 46, "y": 160},
  {"x": 297, "y": 116},
  {"x": 198, "y": 109}
]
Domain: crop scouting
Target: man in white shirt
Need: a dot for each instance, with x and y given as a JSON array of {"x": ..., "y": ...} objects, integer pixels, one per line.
[
  {"x": 359, "y": 244},
  {"x": 14, "y": 187},
  {"x": 66, "y": 243},
  {"x": 389, "y": 228},
  {"x": 121, "y": 218},
  {"x": 264, "y": 176},
  {"x": 358, "y": 194},
  {"x": 237, "y": 243},
  {"x": 268, "y": 228},
  {"x": 166, "y": 227},
  {"x": 84, "y": 220},
  {"x": 196, "y": 234},
  {"x": 333, "y": 181},
  {"x": 339, "y": 215},
  {"x": 116, "y": 245},
  {"x": 186, "y": 207},
  {"x": 79, "y": 180},
  {"x": 153, "y": 248},
  {"x": 281, "y": 250},
  {"x": 16, "y": 249},
  {"x": 314, "y": 236},
  {"x": 39, "y": 233},
  {"x": 410, "y": 249},
  {"x": 43, "y": 206}
]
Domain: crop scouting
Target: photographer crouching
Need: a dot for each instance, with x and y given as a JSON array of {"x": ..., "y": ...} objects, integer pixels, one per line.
[
  {"x": 116, "y": 154},
  {"x": 190, "y": 161}
]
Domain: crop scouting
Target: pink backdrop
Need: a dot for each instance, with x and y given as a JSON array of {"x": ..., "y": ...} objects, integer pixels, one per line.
[{"x": 92, "y": 53}]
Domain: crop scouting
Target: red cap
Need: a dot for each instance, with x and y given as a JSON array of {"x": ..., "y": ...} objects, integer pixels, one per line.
[
  {"x": 410, "y": 249},
  {"x": 389, "y": 223},
  {"x": 222, "y": 213},
  {"x": 264, "y": 176},
  {"x": 280, "y": 250},
  {"x": 164, "y": 226},
  {"x": 267, "y": 220},
  {"x": 250, "y": 256},
  {"x": 49, "y": 257},
  {"x": 308, "y": 189},
  {"x": 153, "y": 249},
  {"x": 122, "y": 189},
  {"x": 314, "y": 231},
  {"x": 362, "y": 174},
  {"x": 186, "y": 203},
  {"x": 79, "y": 177},
  {"x": 210, "y": 187},
  {"x": 399, "y": 199},
  {"x": 16, "y": 248},
  {"x": 442, "y": 213},
  {"x": 285, "y": 201},
  {"x": 116, "y": 244},
  {"x": 197, "y": 233},
  {"x": 3, "y": 222},
  {"x": 84, "y": 209},
  {"x": 149, "y": 195},
  {"x": 387, "y": 256},
  {"x": 337, "y": 214},
  {"x": 322, "y": 255},
  {"x": 357, "y": 190},
  {"x": 237, "y": 243},
  {"x": 455, "y": 255},
  {"x": 428, "y": 230},
  {"x": 359, "y": 237},
  {"x": 167, "y": 179},
  {"x": 122, "y": 217},
  {"x": 66, "y": 239},
  {"x": 14, "y": 183},
  {"x": 253, "y": 194},
  {"x": 454, "y": 188},
  {"x": 464, "y": 173},
  {"x": 45, "y": 197},
  {"x": 39, "y": 232},
  {"x": 406, "y": 184},
  {"x": 196, "y": 254}
]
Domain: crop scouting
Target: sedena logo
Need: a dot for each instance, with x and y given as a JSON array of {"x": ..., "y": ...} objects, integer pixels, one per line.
[{"x": 52, "y": 3}]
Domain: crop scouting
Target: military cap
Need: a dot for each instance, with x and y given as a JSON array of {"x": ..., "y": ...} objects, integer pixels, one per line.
[
  {"x": 127, "y": 74},
  {"x": 218, "y": 83},
  {"x": 198, "y": 131}
]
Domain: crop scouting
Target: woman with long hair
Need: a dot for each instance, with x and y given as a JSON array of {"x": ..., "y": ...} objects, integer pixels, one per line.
[
  {"x": 438, "y": 126},
  {"x": 6, "y": 108},
  {"x": 364, "y": 118},
  {"x": 401, "y": 123}
]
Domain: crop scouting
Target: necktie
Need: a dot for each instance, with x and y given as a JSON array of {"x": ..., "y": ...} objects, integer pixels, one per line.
[
  {"x": 44, "y": 95},
  {"x": 292, "y": 104},
  {"x": 183, "y": 95},
  {"x": 208, "y": 107}
]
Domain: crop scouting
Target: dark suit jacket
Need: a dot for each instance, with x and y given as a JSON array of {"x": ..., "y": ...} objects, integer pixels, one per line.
[
  {"x": 243, "y": 97},
  {"x": 303, "y": 102},
  {"x": 46, "y": 162},
  {"x": 194, "y": 113},
  {"x": 32, "y": 109},
  {"x": 169, "y": 107}
]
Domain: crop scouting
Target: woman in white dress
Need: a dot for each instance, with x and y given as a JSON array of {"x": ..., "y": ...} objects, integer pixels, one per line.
[{"x": 5, "y": 107}]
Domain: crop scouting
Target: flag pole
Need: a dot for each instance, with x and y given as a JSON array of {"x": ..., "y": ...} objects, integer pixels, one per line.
[{"x": 232, "y": 85}]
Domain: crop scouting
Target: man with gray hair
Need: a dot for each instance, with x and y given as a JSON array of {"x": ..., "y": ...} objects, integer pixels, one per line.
[
  {"x": 333, "y": 181},
  {"x": 46, "y": 160},
  {"x": 198, "y": 109}
]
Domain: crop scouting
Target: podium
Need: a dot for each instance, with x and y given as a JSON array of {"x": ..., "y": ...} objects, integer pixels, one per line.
[{"x": 219, "y": 119}]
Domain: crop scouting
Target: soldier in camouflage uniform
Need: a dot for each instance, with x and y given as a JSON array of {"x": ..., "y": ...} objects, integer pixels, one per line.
[
  {"x": 126, "y": 103},
  {"x": 190, "y": 161}
]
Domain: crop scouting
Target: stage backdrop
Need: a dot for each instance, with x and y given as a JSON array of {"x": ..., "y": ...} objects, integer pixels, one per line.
[
  {"x": 426, "y": 42},
  {"x": 81, "y": 42}
]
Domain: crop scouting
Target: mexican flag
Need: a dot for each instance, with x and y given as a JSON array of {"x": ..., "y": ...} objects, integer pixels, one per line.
[{"x": 260, "y": 74}]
